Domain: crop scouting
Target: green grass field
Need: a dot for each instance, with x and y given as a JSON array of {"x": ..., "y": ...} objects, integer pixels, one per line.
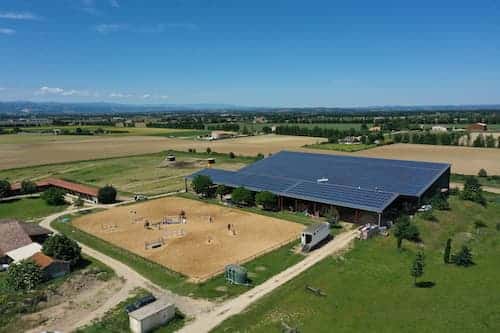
[
  {"x": 133, "y": 174},
  {"x": 260, "y": 268},
  {"x": 369, "y": 289},
  {"x": 45, "y": 134},
  {"x": 119, "y": 131},
  {"x": 116, "y": 320},
  {"x": 27, "y": 209},
  {"x": 14, "y": 304},
  {"x": 340, "y": 147}
]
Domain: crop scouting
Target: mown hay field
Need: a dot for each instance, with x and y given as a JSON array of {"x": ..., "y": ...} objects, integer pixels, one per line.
[{"x": 34, "y": 152}]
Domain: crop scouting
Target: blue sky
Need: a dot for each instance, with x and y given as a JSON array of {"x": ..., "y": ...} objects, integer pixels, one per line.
[{"x": 259, "y": 53}]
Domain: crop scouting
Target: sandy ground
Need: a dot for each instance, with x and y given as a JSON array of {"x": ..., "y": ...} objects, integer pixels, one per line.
[
  {"x": 76, "y": 304},
  {"x": 205, "y": 248},
  {"x": 48, "y": 152},
  {"x": 464, "y": 160}
]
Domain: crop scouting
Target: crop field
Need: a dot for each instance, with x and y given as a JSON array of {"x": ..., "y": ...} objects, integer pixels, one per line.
[
  {"x": 464, "y": 160},
  {"x": 34, "y": 152},
  {"x": 212, "y": 237},
  {"x": 146, "y": 174},
  {"x": 369, "y": 289}
]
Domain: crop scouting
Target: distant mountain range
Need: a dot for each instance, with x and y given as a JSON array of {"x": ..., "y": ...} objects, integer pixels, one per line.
[{"x": 28, "y": 107}]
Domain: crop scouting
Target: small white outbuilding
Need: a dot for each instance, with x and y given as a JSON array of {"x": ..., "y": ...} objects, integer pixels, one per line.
[{"x": 151, "y": 316}]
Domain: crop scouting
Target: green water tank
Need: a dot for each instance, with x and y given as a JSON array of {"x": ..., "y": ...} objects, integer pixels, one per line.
[{"x": 236, "y": 274}]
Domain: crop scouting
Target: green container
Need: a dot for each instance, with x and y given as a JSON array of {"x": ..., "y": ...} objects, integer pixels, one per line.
[{"x": 236, "y": 274}]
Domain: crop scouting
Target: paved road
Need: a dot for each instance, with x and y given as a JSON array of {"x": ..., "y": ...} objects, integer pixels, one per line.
[
  {"x": 204, "y": 322},
  {"x": 189, "y": 306}
]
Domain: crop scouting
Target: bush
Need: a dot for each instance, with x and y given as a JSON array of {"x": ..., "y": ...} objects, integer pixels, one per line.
[
  {"x": 28, "y": 187},
  {"x": 222, "y": 191},
  {"x": 447, "y": 252},
  {"x": 428, "y": 216},
  {"x": 266, "y": 199},
  {"x": 106, "y": 194},
  {"x": 54, "y": 196},
  {"x": 23, "y": 276},
  {"x": 4, "y": 188},
  {"x": 260, "y": 156},
  {"x": 231, "y": 155},
  {"x": 202, "y": 185},
  {"x": 498, "y": 226},
  {"x": 209, "y": 150},
  {"x": 63, "y": 248},
  {"x": 482, "y": 173},
  {"x": 472, "y": 191},
  {"x": 404, "y": 229},
  {"x": 242, "y": 196},
  {"x": 439, "y": 202},
  {"x": 463, "y": 257}
]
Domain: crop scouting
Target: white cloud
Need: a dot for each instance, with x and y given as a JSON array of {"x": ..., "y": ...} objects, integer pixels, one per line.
[
  {"x": 145, "y": 96},
  {"x": 119, "y": 95},
  {"x": 107, "y": 28},
  {"x": 49, "y": 90},
  {"x": 73, "y": 92},
  {"x": 114, "y": 3},
  {"x": 63, "y": 92},
  {"x": 19, "y": 16},
  {"x": 7, "y": 31}
]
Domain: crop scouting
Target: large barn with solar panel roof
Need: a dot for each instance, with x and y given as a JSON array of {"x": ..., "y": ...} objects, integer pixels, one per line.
[{"x": 358, "y": 189}]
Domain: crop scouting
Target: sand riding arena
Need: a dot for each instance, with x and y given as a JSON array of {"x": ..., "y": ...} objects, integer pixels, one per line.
[{"x": 191, "y": 237}]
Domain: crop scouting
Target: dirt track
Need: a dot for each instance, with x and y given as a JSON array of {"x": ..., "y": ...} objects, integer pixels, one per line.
[
  {"x": 206, "y": 247},
  {"x": 35, "y": 152}
]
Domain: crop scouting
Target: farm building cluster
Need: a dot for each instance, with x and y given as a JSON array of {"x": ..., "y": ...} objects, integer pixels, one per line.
[
  {"x": 22, "y": 241},
  {"x": 83, "y": 191},
  {"x": 356, "y": 189}
]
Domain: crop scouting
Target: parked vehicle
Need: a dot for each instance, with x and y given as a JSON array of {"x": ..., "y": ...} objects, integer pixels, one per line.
[{"x": 140, "y": 303}]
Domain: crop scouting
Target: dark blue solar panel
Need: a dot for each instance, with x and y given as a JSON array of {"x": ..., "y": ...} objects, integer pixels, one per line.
[
  {"x": 404, "y": 177},
  {"x": 325, "y": 193},
  {"x": 357, "y": 182},
  {"x": 342, "y": 196},
  {"x": 250, "y": 181}
]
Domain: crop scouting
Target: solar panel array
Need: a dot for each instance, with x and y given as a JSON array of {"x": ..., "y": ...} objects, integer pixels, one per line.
[
  {"x": 409, "y": 178},
  {"x": 325, "y": 193},
  {"x": 356, "y": 182}
]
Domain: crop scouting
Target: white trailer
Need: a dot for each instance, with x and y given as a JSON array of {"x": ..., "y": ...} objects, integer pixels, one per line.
[{"x": 313, "y": 235}]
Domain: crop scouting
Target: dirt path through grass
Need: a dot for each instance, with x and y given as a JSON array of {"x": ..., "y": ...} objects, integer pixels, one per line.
[{"x": 209, "y": 320}]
